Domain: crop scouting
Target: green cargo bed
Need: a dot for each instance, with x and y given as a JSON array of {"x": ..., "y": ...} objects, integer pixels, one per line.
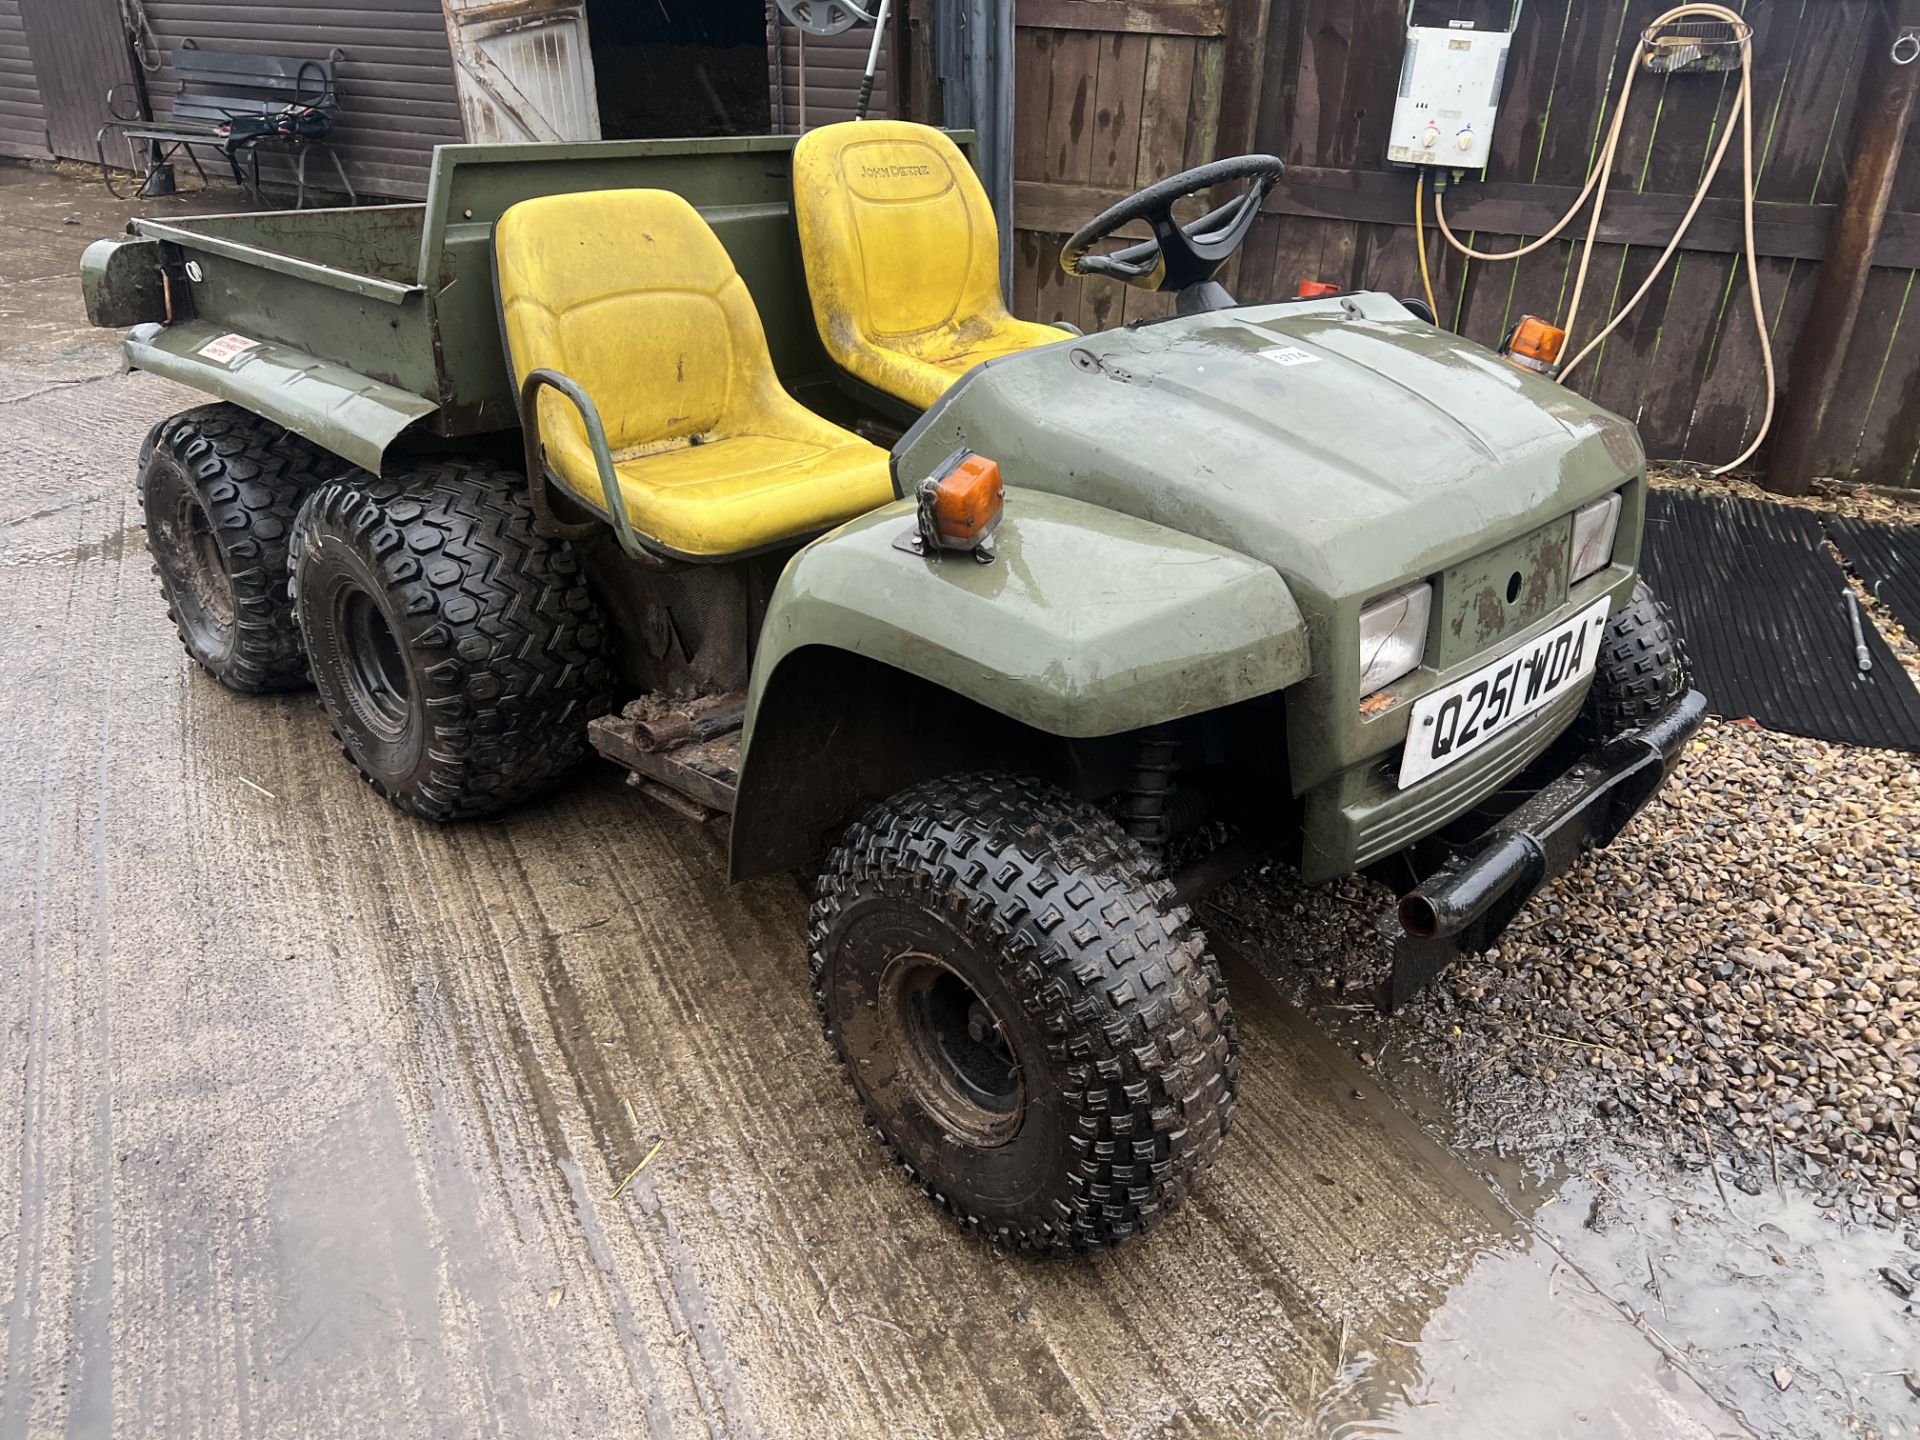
[{"x": 354, "y": 325}]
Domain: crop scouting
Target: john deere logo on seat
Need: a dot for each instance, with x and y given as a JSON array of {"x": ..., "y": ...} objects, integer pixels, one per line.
[{"x": 893, "y": 172}]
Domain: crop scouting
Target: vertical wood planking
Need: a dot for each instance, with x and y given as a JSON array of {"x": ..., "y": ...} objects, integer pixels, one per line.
[
  {"x": 1120, "y": 110},
  {"x": 1114, "y": 110},
  {"x": 1485, "y": 294},
  {"x": 1118, "y": 100},
  {"x": 1076, "y": 66},
  {"x": 1886, "y": 451},
  {"x": 1032, "y": 101},
  {"x": 1885, "y": 337},
  {"x": 1800, "y": 156}
]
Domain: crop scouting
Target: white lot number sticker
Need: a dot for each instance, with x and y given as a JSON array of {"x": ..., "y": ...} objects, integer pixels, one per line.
[
  {"x": 1460, "y": 718},
  {"x": 225, "y": 348},
  {"x": 1291, "y": 355}
]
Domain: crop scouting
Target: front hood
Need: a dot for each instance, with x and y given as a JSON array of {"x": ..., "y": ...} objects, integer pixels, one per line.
[{"x": 1342, "y": 441}]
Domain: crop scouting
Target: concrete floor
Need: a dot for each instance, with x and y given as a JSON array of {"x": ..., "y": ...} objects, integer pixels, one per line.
[{"x": 312, "y": 1117}]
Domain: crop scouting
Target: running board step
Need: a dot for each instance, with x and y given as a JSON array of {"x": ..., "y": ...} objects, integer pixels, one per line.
[{"x": 691, "y": 751}]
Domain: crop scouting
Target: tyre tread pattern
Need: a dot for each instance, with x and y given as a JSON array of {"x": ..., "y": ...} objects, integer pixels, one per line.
[
  {"x": 522, "y": 646},
  {"x": 1103, "y": 957},
  {"x": 252, "y": 477},
  {"x": 1642, "y": 666}
]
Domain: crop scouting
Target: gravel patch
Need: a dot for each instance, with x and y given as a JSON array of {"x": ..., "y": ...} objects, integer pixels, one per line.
[{"x": 1740, "y": 969}]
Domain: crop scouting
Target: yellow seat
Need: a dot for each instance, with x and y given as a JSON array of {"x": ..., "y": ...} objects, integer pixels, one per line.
[
  {"x": 632, "y": 295},
  {"x": 902, "y": 257}
]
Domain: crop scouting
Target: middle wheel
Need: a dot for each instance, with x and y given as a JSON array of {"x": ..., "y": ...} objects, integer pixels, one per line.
[{"x": 458, "y": 653}]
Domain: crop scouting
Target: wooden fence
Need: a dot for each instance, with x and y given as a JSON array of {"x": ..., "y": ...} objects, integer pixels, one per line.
[{"x": 1116, "y": 93}]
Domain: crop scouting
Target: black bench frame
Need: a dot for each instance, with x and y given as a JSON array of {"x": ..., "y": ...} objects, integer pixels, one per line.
[{"x": 216, "y": 87}]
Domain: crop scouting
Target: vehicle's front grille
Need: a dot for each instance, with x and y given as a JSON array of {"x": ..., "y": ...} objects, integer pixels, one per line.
[{"x": 1389, "y": 819}]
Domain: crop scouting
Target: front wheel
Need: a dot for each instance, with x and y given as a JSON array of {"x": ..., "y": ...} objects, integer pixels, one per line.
[
  {"x": 1642, "y": 667},
  {"x": 1033, "y": 1024}
]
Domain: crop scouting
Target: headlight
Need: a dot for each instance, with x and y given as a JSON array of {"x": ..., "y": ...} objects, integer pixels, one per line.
[
  {"x": 1393, "y": 635},
  {"x": 1593, "y": 528}
]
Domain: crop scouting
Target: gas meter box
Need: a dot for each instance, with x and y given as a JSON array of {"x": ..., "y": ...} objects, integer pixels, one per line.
[{"x": 1449, "y": 97}]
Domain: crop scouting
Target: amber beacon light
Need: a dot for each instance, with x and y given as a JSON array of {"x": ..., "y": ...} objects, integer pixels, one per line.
[
  {"x": 961, "y": 503},
  {"x": 1535, "y": 345}
]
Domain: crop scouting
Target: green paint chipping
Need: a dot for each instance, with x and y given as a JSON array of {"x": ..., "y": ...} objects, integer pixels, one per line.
[
  {"x": 1720, "y": 316},
  {"x": 1613, "y": 302},
  {"x": 1779, "y": 96},
  {"x": 1539, "y": 159},
  {"x": 1766, "y": 154},
  {"x": 1553, "y": 87},
  {"x": 1880, "y": 375},
  {"x": 1833, "y": 124},
  {"x": 1626, "y": 251},
  {"x": 1659, "y": 337},
  {"x": 1460, "y": 291},
  {"x": 1593, "y": 153}
]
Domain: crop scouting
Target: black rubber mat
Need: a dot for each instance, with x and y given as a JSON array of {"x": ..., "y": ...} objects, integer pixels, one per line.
[
  {"x": 1761, "y": 602},
  {"x": 1887, "y": 560}
]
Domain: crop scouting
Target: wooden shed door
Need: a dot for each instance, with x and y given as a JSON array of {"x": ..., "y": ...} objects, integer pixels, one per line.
[
  {"x": 524, "y": 69},
  {"x": 80, "y": 52},
  {"x": 1110, "y": 97}
]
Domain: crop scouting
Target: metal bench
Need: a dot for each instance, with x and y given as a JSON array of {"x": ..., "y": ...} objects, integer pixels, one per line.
[{"x": 216, "y": 90}]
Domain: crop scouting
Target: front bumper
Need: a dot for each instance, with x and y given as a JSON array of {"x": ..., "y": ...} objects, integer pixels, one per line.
[{"x": 1462, "y": 908}]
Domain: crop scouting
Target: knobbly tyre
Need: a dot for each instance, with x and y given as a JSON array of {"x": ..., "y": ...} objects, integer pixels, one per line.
[{"x": 581, "y": 453}]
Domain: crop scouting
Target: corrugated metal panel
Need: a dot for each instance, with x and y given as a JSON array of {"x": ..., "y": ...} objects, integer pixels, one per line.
[
  {"x": 835, "y": 64},
  {"x": 23, "y": 124},
  {"x": 397, "y": 97},
  {"x": 80, "y": 52}
]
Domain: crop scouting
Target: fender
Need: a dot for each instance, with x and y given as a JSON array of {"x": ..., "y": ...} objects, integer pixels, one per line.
[
  {"x": 353, "y": 415},
  {"x": 1087, "y": 623},
  {"x": 341, "y": 410}
]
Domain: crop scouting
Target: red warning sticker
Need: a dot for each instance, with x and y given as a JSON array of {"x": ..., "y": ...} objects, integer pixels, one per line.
[{"x": 225, "y": 348}]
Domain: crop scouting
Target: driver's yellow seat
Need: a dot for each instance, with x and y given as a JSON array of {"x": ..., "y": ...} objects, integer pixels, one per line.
[{"x": 902, "y": 257}]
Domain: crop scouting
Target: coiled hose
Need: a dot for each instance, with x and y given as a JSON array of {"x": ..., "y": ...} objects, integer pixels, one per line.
[{"x": 1596, "y": 186}]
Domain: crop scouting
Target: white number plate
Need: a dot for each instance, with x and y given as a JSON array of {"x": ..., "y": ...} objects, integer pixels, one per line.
[{"x": 1459, "y": 719}]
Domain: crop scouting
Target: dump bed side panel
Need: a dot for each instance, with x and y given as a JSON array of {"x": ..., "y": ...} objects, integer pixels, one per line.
[
  {"x": 742, "y": 186},
  {"x": 402, "y": 297}
]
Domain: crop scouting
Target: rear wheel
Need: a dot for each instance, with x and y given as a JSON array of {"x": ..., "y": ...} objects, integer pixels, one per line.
[
  {"x": 1032, "y": 1023},
  {"x": 459, "y": 654},
  {"x": 219, "y": 489}
]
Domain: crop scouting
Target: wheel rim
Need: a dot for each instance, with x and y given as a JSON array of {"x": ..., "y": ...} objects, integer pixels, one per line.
[
  {"x": 951, "y": 1049},
  {"x": 187, "y": 550},
  {"x": 376, "y": 668},
  {"x": 212, "y": 588}
]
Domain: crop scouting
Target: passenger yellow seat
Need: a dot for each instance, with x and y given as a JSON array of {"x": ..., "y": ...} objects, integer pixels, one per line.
[
  {"x": 632, "y": 295},
  {"x": 902, "y": 257}
]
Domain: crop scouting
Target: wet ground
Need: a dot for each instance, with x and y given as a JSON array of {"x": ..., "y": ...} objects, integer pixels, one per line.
[
  {"x": 1793, "y": 1311},
  {"x": 317, "y": 1120}
]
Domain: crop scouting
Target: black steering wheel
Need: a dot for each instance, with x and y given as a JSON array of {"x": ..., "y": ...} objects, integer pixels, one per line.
[{"x": 1180, "y": 258}]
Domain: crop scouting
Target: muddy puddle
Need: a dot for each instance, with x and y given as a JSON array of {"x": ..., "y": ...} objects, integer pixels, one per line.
[{"x": 1760, "y": 1305}]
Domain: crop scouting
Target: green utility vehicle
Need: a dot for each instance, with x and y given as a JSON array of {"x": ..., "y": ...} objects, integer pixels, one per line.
[{"x": 725, "y": 459}]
